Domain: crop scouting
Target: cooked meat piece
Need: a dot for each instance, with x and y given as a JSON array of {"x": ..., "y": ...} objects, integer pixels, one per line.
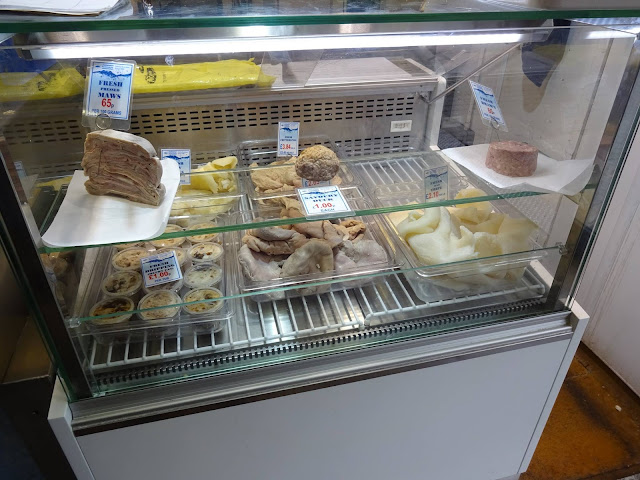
[
  {"x": 361, "y": 254},
  {"x": 124, "y": 165},
  {"x": 282, "y": 178},
  {"x": 258, "y": 266},
  {"x": 315, "y": 256},
  {"x": 276, "y": 247},
  {"x": 310, "y": 229},
  {"x": 323, "y": 229},
  {"x": 513, "y": 159},
  {"x": 291, "y": 207},
  {"x": 355, "y": 228},
  {"x": 317, "y": 163},
  {"x": 271, "y": 234}
]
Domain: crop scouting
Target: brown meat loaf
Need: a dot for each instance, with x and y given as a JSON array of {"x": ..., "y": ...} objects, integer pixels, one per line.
[{"x": 513, "y": 159}]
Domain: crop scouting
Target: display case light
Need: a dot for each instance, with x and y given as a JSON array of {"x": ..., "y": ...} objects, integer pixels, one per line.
[{"x": 274, "y": 44}]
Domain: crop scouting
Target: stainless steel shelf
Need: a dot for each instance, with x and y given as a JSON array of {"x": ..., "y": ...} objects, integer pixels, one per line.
[{"x": 389, "y": 300}]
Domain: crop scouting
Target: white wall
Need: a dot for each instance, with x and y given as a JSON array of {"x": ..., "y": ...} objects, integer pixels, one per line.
[{"x": 611, "y": 283}]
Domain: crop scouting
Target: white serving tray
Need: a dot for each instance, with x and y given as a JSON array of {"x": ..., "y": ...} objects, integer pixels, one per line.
[
  {"x": 85, "y": 219},
  {"x": 567, "y": 177}
]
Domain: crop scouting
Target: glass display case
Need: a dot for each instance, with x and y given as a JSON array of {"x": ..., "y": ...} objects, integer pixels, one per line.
[{"x": 475, "y": 149}]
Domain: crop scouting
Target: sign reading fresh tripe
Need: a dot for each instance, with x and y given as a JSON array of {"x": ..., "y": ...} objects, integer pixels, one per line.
[
  {"x": 108, "y": 93},
  {"x": 182, "y": 156},
  {"x": 160, "y": 268},
  {"x": 323, "y": 200},
  {"x": 288, "y": 135},
  {"x": 488, "y": 106},
  {"x": 436, "y": 184}
]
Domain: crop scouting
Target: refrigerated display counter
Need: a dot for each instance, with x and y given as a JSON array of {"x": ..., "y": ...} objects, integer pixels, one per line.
[{"x": 337, "y": 235}]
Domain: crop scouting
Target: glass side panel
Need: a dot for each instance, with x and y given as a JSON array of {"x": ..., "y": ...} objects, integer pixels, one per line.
[
  {"x": 449, "y": 211},
  {"x": 127, "y": 14}
]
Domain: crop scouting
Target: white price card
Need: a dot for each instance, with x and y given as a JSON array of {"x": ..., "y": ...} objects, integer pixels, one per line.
[
  {"x": 160, "y": 268},
  {"x": 108, "y": 93},
  {"x": 182, "y": 156},
  {"x": 288, "y": 135},
  {"x": 323, "y": 200},
  {"x": 315, "y": 183},
  {"x": 488, "y": 106},
  {"x": 436, "y": 184}
]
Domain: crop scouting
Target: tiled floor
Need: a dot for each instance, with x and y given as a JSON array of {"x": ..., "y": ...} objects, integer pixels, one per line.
[{"x": 594, "y": 429}]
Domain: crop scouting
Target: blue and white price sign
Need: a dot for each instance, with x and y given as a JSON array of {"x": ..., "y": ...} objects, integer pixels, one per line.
[
  {"x": 288, "y": 135},
  {"x": 323, "y": 200},
  {"x": 160, "y": 268},
  {"x": 183, "y": 157},
  {"x": 436, "y": 184},
  {"x": 488, "y": 106},
  {"x": 109, "y": 89}
]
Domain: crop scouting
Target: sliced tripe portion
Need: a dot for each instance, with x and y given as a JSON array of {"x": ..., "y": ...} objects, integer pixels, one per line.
[{"x": 122, "y": 164}]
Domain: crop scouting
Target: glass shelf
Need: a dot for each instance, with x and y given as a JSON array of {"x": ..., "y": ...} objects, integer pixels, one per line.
[
  {"x": 228, "y": 225},
  {"x": 198, "y": 14}
]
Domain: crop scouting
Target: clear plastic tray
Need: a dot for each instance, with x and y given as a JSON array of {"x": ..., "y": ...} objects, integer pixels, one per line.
[
  {"x": 469, "y": 277},
  {"x": 136, "y": 328},
  {"x": 262, "y": 153},
  {"x": 375, "y": 231}
]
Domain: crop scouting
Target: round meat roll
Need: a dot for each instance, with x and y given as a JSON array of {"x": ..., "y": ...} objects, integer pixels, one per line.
[{"x": 513, "y": 159}]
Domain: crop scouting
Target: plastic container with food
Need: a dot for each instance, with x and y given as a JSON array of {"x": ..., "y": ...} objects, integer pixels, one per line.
[
  {"x": 112, "y": 328},
  {"x": 181, "y": 256},
  {"x": 129, "y": 259},
  {"x": 169, "y": 242},
  {"x": 162, "y": 321},
  {"x": 202, "y": 311},
  {"x": 207, "y": 237},
  {"x": 207, "y": 252},
  {"x": 272, "y": 174},
  {"x": 124, "y": 246},
  {"x": 203, "y": 275},
  {"x": 174, "y": 286},
  {"x": 125, "y": 283},
  {"x": 340, "y": 249},
  {"x": 468, "y": 249}
]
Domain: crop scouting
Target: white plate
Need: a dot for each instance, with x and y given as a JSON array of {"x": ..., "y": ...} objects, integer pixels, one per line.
[
  {"x": 568, "y": 176},
  {"x": 85, "y": 219}
]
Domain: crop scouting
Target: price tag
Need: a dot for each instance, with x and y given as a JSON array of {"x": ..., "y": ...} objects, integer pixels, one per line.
[
  {"x": 488, "y": 106},
  {"x": 323, "y": 200},
  {"x": 315, "y": 183},
  {"x": 288, "y": 134},
  {"x": 108, "y": 93},
  {"x": 160, "y": 268},
  {"x": 436, "y": 184},
  {"x": 183, "y": 157}
]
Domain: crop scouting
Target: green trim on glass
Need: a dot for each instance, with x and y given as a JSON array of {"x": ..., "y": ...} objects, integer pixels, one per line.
[
  {"x": 335, "y": 19},
  {"x": 290, "y": 221}
]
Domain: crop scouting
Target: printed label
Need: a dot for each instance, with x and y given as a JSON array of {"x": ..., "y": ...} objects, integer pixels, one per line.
[
  {"x": 436, "y": 184},
  {"x": 20, "y": 169},
  {"x": 323, "y": 200},
  {"x": 183, "y": 157},
  {"x": 315, "y": 183},
  {"x": 488, "y": 105},
  {"x": 160, "y": 268},
  {"x": 401, "y": 125},
  {"x": 109, "y": 92},
  {"x": 288, "y": 134}
]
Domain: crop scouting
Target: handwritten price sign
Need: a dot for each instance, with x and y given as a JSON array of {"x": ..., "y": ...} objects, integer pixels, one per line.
[{"x": 160, "y": 268}]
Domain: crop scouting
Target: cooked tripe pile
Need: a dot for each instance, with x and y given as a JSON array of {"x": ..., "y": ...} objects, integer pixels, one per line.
[
  {"x": 124, "y": 165},
  {"x": 307, "y": 248},
  {"x": 444, "y": 235},
  {"x": 285, "y": 176}
]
